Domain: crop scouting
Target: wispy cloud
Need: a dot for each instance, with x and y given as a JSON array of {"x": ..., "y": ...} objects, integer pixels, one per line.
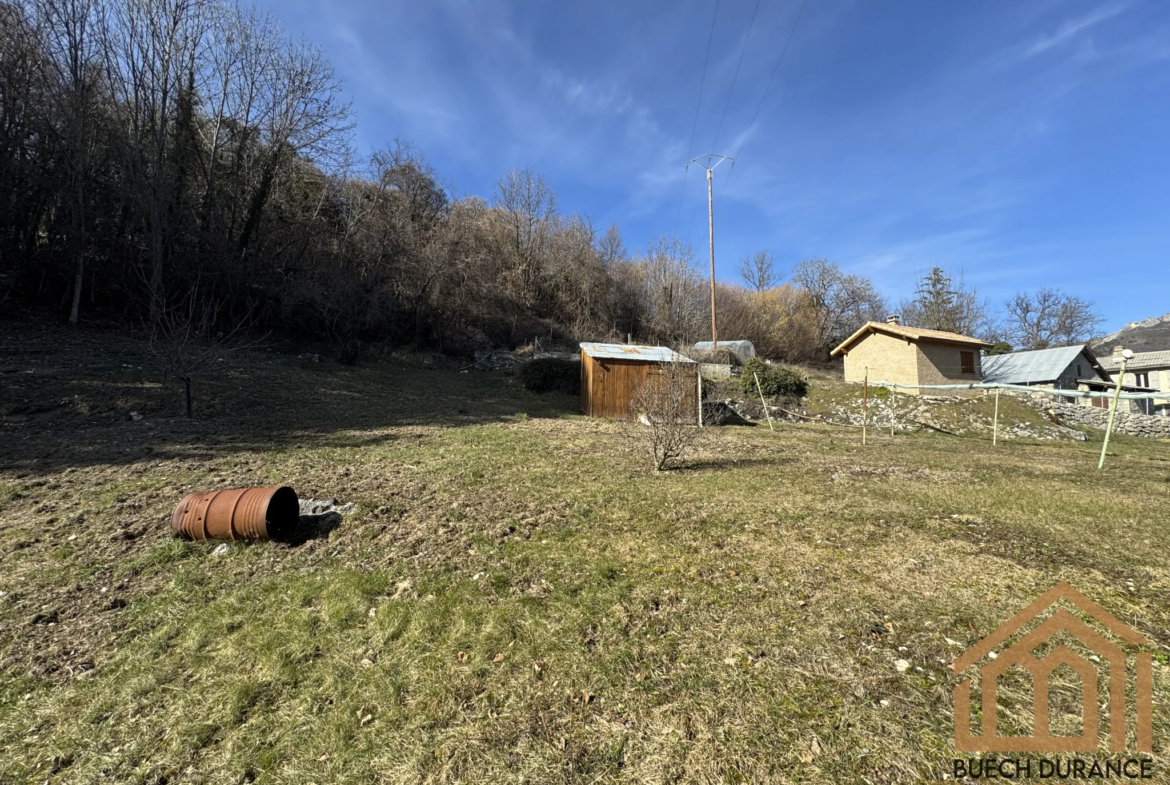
[
  {"x": 1070, "y": 28},
  {"x": 989, "y": 148},
  {"x": 587, "y": 95}
]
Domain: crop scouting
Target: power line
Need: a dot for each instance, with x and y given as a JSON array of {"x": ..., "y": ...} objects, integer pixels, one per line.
[
  {"x": 719, "y": 130},
  {"x": 768, "y": 87},
  {"x": 698, "y": 105},
  {"x": 735, "y": 78}
]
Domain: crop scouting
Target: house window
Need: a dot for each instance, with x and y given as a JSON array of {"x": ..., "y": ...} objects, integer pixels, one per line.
[
  {"x": 967, "y": 360},
  {"x": 1142, "y": 380}
]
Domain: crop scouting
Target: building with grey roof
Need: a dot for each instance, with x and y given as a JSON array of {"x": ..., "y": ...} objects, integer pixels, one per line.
[
  {"x": 1149, "y": 370},
  {"x": 1061, "y": 368}
]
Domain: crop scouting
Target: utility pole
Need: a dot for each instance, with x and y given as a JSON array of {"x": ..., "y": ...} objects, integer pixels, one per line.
[{"x": 711, "y": 228}]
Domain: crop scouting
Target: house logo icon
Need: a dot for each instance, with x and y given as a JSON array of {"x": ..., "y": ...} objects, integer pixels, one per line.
[{"x": 1108, "y": 656}]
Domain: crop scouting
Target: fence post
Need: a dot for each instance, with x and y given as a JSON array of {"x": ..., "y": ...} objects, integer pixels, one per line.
[
  {"x": 1113, "y": 410},
  {"x": 699, "y": 374},
  {"x": 865, "y": 408},
  {"x": 893, "y": 412},
  {"x": 762, "y": 401},
  {"x": 995, "y": 424}
]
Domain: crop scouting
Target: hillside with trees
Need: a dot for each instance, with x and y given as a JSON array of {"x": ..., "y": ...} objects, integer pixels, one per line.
[{"x": 185, "y": 168}]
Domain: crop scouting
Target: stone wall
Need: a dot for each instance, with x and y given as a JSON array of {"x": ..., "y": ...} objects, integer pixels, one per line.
[
  {"x": 889, "y": 359},
  {"x": 1091, "y": 417},
  {"x": 941, "y": 363}
]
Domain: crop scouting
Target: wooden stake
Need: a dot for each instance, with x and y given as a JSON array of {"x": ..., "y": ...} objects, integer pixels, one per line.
[
  {"x": 763, "y": 403},
  {"x": 865, "y": 408},
  {"x": 893, "y": 417},
  {"x": 699, "y": 374},
  {"x": 1112, "y": 413},
  {"x": 995, "y": 423}
]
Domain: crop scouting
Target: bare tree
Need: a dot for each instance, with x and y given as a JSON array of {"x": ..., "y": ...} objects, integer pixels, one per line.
[
  {"x": 666, "y": 409},
  {"x": 610, "y": 248},
  {"x": 1077, "y": 321},
  {"x": 74, "y": 48},
  {"x": 151, "y": 47},
  {"x": 672, "y": 295},
  {"x": 1050, "y": 318},
  {"x": 780, "y": 322},
  {"x": 528, "y": 205},
  {"x": 305, "y": 117},
  {"x": 759, "y": 271},
  {"x": 843, "y": 302},
  {"x": 243, "y": 46},
  {"x": 187, "y": 338},
  {"x": 146, "y": 145}
]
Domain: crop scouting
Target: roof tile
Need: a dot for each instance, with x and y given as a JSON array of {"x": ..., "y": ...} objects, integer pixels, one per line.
[{"x": 913, "y": 333}]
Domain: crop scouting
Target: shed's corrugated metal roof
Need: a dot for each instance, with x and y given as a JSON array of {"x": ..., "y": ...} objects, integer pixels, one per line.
[
  {"x": 622, "y": 351},
  {"x": 1140, "y": 361},
  {"x": 1037, "y": 366}
]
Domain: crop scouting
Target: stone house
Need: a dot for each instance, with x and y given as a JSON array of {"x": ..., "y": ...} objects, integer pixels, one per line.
[
  {"x": 895, "y": 353},
  {"x": 1146, "y": 371},
  {"x": 1062, "y": 368}
]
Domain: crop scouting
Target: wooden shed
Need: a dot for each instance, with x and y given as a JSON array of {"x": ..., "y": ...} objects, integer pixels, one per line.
[{"x": 611, "y": 372}]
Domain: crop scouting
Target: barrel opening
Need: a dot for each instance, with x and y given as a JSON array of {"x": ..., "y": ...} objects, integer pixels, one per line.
[{"x": 283, "y": 514}]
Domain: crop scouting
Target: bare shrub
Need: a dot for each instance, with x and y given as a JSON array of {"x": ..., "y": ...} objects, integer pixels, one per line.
[
  {"x": 781, "y": 322},
  {"x": 186, "y": 341},
  {"x": 665, "y": 408}
]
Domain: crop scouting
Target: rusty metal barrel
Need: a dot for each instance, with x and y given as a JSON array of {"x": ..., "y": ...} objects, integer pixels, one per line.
[{"x": 241, "y": 514}]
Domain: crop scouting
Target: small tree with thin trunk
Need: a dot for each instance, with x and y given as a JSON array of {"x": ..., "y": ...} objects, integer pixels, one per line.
[
  {"x": 186, "y": 342},
  {"x": 667, "y": 412}
]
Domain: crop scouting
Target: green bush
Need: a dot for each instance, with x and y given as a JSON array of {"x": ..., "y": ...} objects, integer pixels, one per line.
[
  {"x": 549, "y": 374},
  {"x": 775, "y": 380}
]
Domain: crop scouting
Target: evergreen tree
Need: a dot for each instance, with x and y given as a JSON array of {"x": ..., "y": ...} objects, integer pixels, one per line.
[{"x": 941, "y": 303}]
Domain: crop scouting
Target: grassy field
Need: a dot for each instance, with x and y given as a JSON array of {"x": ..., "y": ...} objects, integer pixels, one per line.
[{"x": 517, "y": 597}]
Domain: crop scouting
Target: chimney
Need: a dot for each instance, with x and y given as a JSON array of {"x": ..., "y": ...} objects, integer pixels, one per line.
[
  {"x": 896, "y": 319},
  {"x": 1117, "y": 352}
]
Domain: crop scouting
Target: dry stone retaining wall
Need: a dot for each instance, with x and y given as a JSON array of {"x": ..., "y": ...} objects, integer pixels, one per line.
[{"x": 1129, "y": 423}]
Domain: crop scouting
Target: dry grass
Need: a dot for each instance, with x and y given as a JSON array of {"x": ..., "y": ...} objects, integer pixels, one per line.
[{"x": 518, "y": 599}]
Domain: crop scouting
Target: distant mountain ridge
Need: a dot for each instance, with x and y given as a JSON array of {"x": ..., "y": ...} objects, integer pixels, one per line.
[{"x": 1148, "y": 335}]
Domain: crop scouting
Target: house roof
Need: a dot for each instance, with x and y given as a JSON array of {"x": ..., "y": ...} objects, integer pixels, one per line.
[
  {"x": 1140, "y": 361},
  {"x": 909, "y": 333},
  {"x": 1038, "y": 365},
  {"x": 622, "y": 351}
]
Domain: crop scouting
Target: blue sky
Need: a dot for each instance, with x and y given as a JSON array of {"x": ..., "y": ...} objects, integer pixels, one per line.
[{"x": 1025, "y": 144}]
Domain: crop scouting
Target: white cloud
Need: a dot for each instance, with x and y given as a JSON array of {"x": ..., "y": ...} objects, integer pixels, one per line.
[{"x": 1070, "y": 28}]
